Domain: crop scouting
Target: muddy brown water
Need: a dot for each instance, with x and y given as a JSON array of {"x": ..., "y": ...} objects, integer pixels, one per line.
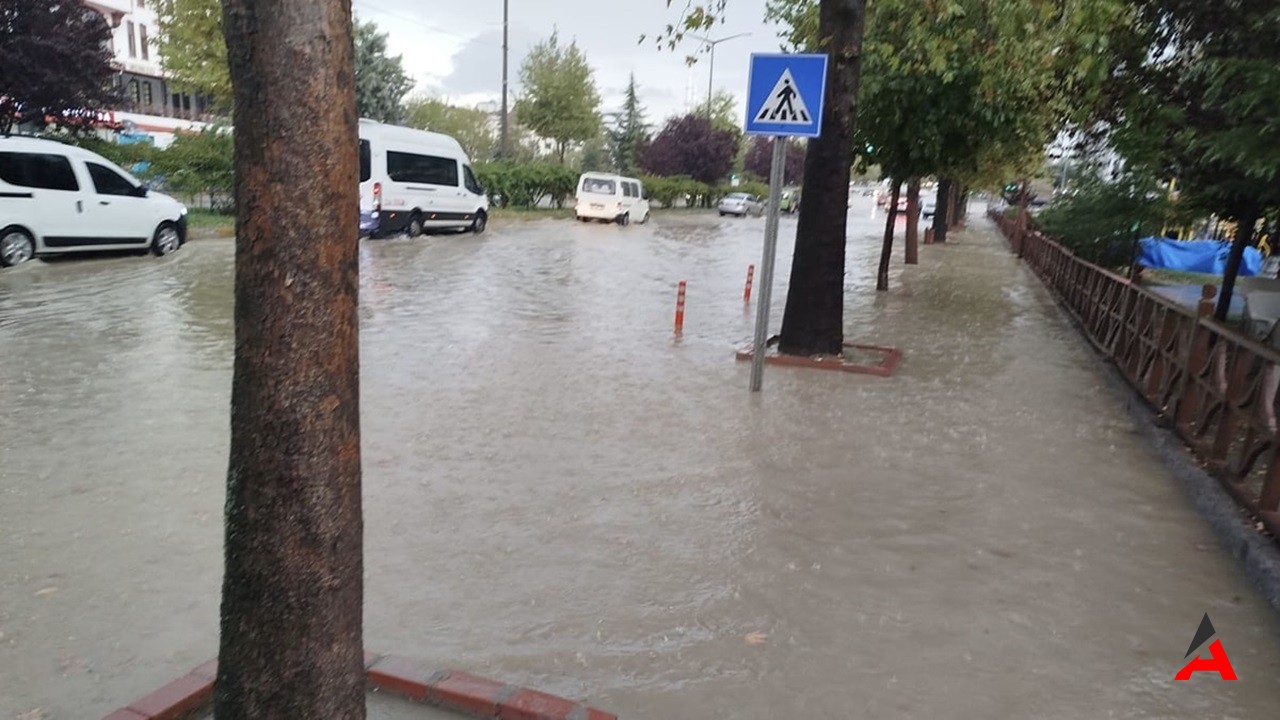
[{"x": 559, "y": 494}]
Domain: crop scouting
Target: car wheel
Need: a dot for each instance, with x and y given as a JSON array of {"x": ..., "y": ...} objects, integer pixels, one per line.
[
  {"x": 16, "y": 247},
  {"x": 624, "y": 219},
  {"x": 414, "y": 228},
  {"x": 480, "y": 223},
  {"x": 167, "y": 239},
  {"x": 722, "y": 214}
]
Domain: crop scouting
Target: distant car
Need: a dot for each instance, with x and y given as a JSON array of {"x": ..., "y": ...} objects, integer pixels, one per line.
[
  {"x": 790, "y": 201},
  {"x": 928, "y": 205},
  {"x": 741, "y": 204}
]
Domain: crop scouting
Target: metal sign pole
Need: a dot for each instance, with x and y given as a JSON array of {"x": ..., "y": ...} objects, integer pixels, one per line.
[{"x": 766, "y": 262}]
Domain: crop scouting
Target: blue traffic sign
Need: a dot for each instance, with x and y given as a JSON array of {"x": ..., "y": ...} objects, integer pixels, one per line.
[{"x": 785, "y": 94}]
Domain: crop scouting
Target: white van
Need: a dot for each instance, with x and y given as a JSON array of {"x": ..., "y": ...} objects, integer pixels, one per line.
[
  {"x": 413, "y": 180},
  {"x": 58, "y": 198},
  {"x": 611, "y": 198}
]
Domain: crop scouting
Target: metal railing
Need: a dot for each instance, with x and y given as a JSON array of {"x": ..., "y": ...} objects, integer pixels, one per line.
[{"x": 1214, "y": 386}]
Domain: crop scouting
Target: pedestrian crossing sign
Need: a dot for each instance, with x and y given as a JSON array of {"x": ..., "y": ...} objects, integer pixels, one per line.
[{"x": 785, "y": 95}]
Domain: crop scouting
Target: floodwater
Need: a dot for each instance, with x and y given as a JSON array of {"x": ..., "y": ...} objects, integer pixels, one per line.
[{"x": 560, "y": 494}]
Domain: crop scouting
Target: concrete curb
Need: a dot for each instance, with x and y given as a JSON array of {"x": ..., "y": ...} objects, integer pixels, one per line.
[
  {"x": 1257, "y": 555},
  {"x": 463, "y": 692}
]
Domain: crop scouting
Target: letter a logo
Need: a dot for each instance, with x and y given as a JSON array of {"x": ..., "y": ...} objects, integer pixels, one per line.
[{"x": 1216, "y": 662}]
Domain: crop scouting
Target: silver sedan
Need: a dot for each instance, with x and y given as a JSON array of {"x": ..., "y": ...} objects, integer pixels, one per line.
[{"x": 741, "y": 204}]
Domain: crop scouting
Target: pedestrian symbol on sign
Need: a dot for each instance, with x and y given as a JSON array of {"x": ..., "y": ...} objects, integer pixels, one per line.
[{"x": 784, "y": 104}]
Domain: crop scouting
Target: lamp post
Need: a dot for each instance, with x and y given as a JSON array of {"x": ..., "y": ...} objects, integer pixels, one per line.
[
  {"x": 502, "y": 143},
  {"x": 711, "y": 76}
]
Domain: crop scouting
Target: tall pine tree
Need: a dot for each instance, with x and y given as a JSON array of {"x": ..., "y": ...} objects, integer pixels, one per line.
[{"x": 631, "y": 132}]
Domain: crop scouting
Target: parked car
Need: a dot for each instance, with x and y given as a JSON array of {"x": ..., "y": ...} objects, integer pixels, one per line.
[
  {"x": 611, "y": 198},
  {"x": 928, "y": 204},
  {"x": 58, "y": 198},
  {"x": 741, "y": 204},
  {"x": 414, "y": 180}
]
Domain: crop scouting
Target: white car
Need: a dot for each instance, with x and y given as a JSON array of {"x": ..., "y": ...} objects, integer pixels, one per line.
[
  {"x": 611, "y": 198},
  {"x": 741, "y": 204},
  {"x": 57, "y": 198}
]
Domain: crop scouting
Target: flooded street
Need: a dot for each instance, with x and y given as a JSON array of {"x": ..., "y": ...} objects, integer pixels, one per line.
[{"x": 559, "y": 494}]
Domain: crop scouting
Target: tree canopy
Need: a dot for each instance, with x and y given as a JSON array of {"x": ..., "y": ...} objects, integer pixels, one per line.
[
  {"x": 469, "y": 126},
  {"x": 968, "y": 89},
  {"x": 559, "y": 101},
  {"x": 759, "y": 159},
  {"x": 381, "y": 82},
  {"x": 191, "y": 46},
  {"x": 691, "y": 146},
  {"x": 55, "y": 63}
]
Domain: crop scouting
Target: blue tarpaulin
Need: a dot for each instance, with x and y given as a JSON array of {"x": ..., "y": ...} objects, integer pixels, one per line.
[{"x": 1200, "y": 256}]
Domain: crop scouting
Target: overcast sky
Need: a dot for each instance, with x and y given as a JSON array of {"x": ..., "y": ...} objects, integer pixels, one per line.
[{"x": 454, "y": 50}]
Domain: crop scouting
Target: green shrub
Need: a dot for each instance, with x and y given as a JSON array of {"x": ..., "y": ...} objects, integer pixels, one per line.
[
  {"x": 1098, "y": 220},
  {"x": 199, "y": 165},
  {"x": 511, "y": 184},
  {"x": 673, "y": 190}
]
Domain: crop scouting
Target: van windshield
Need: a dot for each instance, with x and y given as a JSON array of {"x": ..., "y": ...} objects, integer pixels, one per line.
[{"x": 599, "y": 186}]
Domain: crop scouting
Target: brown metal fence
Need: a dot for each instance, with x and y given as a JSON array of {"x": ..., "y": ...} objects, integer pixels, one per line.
[{"x": 1216, "y": 387}]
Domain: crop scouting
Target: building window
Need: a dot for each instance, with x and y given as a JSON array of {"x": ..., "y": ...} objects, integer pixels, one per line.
[
  {"x": 146, "y": 94},
  {"x": 142, "y": 40},
  {"x": 133, "y": 42}
]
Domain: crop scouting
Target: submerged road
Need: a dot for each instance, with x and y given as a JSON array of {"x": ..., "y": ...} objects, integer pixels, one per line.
[{"x": 559, "y": 494}]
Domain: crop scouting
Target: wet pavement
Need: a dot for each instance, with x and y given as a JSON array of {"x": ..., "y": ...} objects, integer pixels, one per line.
[{"x": 560, "y": 495}]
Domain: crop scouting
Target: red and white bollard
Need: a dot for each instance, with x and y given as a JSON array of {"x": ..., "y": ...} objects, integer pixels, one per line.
[
  {"x": 751, "y": 276},
  {"x": 680, "y": 308}
]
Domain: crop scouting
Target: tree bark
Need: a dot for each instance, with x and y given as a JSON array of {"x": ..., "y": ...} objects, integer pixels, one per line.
[
  {"x": 813, "y": 321},
  {"x": 1023, "y": 216},
  {"x": 292, "y": 591},
  {"x": 886, "y": 250},
  {"x": 940, "y": 218},
  {"x": 1243, "y": 239},
  {"x": 912, "y": 240}
]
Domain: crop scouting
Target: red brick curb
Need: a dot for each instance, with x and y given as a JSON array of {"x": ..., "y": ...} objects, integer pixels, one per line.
[
  {"x": 464, "y": 692},
  {"x": 890, "y": 359}
]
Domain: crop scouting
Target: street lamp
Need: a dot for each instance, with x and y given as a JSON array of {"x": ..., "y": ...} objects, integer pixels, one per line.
[{"x": 712, "y": 75}]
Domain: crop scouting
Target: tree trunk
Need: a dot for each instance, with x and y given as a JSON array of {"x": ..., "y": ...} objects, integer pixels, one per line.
[
  {"x": 562, "y": 146},
  {"x": 813, "y": 322},
  {"x": 886, "y": 250},
  {"x": 1243, "y": 239},
  {"x": 940, "y": 218},
  {"x": 1023, "y": 216},
  {"x": 912, "y": 240},
  {"x": 292, "y": 591},
  {"x": 953, "y": 207}
]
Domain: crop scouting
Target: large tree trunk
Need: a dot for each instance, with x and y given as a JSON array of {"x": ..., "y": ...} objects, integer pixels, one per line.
[
  {"x": 813, "y": 322},
  {"x": 912, "y": 240},
  {"x": 1243, "y": 239},
  {"x": 292, "y": 592},
  {"x": 886, "y": 250},
  {"x": 940, "y": 218}
]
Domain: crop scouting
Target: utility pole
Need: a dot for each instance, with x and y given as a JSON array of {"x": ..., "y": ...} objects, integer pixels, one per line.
[
  {"x": 502, "y": 143},
  {"x": 711, "y": 76}
]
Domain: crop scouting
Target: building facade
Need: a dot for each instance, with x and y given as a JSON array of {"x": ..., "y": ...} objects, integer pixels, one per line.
[{"x": 150, "y": 106}]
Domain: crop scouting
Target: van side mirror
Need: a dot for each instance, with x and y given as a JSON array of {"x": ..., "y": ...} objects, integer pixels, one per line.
[{"x": 141, "y": 191}]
